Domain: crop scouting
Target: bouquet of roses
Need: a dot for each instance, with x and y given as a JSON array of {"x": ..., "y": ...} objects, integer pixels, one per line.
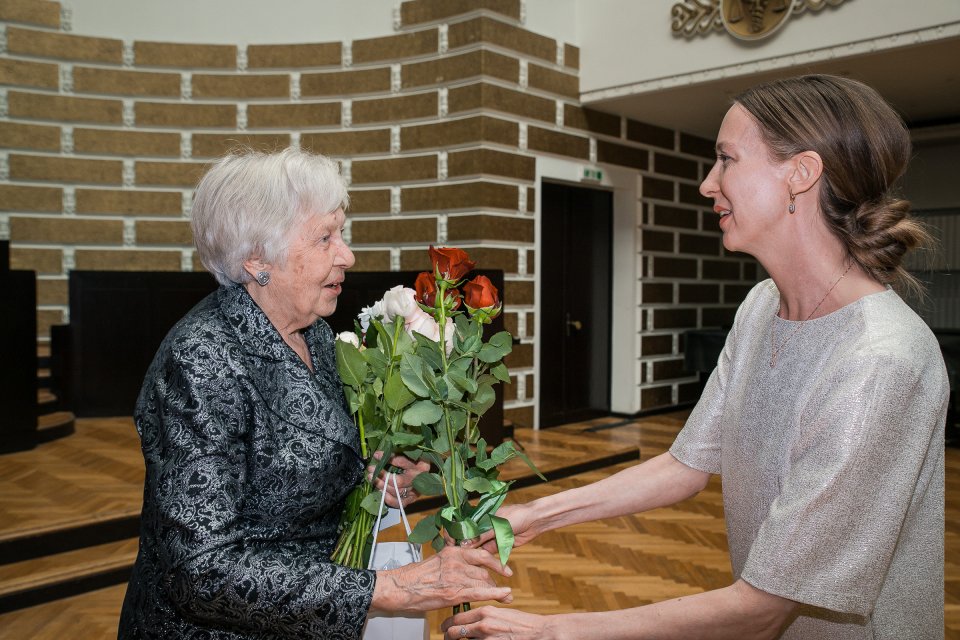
[{"x": 418, "y": 376}]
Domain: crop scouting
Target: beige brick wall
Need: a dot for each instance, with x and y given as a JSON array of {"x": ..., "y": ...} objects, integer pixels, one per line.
[{"x": 436, "y": 128}]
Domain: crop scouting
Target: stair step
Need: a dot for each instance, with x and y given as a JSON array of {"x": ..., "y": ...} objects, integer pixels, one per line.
[
  {"x": 62, "y": 537},
  {"x": 30, "y": 582},
  {"x": 55, "y": 425},
  {"x": 45, "y": 396}
]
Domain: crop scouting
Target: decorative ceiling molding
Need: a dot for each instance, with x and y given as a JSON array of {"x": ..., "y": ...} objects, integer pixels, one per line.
[
  {"x": 892, "y": 41},
  {"x": 743, "y": 19}
]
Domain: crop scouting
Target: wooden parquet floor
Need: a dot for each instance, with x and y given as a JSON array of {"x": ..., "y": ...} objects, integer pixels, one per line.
[{"x": 615, "y": 563}]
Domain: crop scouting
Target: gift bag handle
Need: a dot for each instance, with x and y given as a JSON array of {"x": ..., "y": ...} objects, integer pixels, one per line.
[{"x": 403, "y": 516}]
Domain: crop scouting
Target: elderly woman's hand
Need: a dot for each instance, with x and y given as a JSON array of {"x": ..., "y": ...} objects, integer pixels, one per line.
[
  {"x": 498, "y": 623},
  {"x": 408, "y": 470},
  {"x": 451, "y": 577}
]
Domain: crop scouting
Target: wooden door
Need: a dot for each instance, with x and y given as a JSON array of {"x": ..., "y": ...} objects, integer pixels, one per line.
[{"x": 575, "y": 322}]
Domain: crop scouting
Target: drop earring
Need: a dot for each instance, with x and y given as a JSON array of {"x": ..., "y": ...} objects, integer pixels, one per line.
[
  {"x": 792, "y": 207},
  {"x": 263, "y": 278}
]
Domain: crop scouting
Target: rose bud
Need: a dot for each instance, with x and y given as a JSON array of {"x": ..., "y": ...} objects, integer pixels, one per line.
[
  {"x": 482, "y": 298},
  {"x": 450, "y": 263},
  {"x": 426, "y": 286}
]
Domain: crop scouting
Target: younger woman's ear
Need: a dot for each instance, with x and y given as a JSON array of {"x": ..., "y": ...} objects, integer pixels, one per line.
[{"x": 807, "y": 169}]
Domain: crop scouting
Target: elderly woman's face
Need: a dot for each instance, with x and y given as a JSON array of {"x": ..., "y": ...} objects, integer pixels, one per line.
[
  {"x": 750, "y": 192},
  {"x": 310, "y": 281}
]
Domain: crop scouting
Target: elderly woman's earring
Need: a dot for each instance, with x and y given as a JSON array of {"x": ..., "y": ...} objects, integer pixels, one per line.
[
  {"x": 792, "y": 208},
  {"x": 263, "y": 278}
]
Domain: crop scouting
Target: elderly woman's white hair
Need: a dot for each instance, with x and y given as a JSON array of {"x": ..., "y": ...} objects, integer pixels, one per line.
[{"x": 248, "y": 203}]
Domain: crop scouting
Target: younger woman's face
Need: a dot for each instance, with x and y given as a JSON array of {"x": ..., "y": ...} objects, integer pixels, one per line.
[{"x": 749, "y": 189}]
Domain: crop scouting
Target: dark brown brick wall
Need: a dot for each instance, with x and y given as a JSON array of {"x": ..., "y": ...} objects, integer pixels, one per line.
[
  {"x": 41, "y": 106},
  {"x": 188, "y": 56},
  {"x": 294, "y": 55},
  {"x": 460, "y": 174},
  {"x": 16, "y": 135},
  {"x": 125, "y": 143},
  {"x": 63, "y": 46},
  {"x": 24, "y": 167},
  {"x": 390, "y": 48},
  {"x": 126, "y": 82},
  {"x": 394, "y": 170},
  {"x": 185, "y": 116},
  {"x": 30, "y": 198},
  {"x": 460, "y": 131},
  {"x": 247, "y": 86},
  {"x": 318, "y": 114},
  {"x": 344, "y": 83},
  {"x": 25, "y": 73},
  {"x": 43, "y": 13},
  {"x": 419, "y": 11},
  {"x": 348, "y": 143}
]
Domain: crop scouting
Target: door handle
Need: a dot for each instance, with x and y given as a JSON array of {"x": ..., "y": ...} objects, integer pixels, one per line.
[{"x": 576, "y": 324}]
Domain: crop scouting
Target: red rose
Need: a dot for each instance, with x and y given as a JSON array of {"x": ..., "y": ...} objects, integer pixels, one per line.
[
  {"x": 480, "y": 293},
  {"x": 426, "y": 286},
  {"x": 450, "y": 263}
]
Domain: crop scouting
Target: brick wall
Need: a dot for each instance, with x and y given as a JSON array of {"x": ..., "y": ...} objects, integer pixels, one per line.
[{"x": 438, "y": 128}]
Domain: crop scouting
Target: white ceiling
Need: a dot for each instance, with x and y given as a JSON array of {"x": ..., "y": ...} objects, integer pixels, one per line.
[{"x": 921, "y": 81}]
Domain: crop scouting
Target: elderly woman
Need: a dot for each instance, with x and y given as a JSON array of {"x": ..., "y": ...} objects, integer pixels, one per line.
[
  {"x": 825, "y": 414},
  {"x": 248, "y": 446}
]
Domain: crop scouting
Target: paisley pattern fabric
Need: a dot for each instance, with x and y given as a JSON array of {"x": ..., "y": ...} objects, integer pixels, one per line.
[{"x": 249, "y": 456}]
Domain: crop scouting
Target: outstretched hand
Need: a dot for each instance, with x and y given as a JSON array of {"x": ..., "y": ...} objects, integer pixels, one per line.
[
  {"x": 408, "y": 470},
  {"x": 521, "y": 520},
  {"x": 496, "y": 623},
  {"x": 451, "y": 577}
]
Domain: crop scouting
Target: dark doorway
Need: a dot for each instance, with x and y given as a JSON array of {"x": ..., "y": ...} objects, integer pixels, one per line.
[{"x": 576, "y": 234}]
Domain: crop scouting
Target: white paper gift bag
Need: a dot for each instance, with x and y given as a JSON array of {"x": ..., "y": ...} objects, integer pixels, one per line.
[{"x": 390, "y": 555}]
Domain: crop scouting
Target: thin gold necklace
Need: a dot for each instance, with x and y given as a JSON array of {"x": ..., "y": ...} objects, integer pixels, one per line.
[{"x": 773, "y": 330}]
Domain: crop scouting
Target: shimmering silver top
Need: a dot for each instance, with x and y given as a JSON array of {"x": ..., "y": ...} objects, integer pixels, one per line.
[{"x": 832, "y": 464}]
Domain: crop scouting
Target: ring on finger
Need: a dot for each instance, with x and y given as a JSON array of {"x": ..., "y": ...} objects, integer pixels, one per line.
[
  {"x": 463, "y": 632},
  {"x": 404, "y": 493}
]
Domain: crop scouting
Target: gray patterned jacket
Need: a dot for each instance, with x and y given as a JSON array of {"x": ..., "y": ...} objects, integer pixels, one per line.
[{"x": 249, "y": 457}]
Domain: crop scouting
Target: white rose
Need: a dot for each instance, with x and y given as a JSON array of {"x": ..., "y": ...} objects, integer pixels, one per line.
[
  {"x": 349, "y": 336},
  {"x": 425, "y": 325},
  {"x": 368, "y": 313},
  {"x": 399, "y": 301}
]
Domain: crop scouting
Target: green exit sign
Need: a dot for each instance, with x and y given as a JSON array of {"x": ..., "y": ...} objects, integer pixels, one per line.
[{"x": 594, "y": 175}]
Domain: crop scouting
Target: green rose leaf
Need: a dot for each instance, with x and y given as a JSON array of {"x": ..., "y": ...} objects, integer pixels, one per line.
[
  {"x": 480, "y": 485},
  {"x": 411, "y": 371},
  {"x": 371, "y": 504},
  {"x": 425, "y": 531},
  {"x": 353, "y": 401},
  {"x": 428, "y": 484},
  {"x": 405, "y": 439},
  {"x": 377, "y": 360},
  {"x": 396, "y": 393},
  {"x": 500, "y": 372},
  {"x": 483, "y": 399},
  {"x": 500, "y": 345},
  {"x": 502, "y": 341},
  {"x": 350, "y": 364},
  {"x": 471, "y": 344},
  {"x": 466, "y": 530},
  {"x": 467, "y": 384},
  {"x": 422, "y": 412},
  {"x": 504, "y": 534}
]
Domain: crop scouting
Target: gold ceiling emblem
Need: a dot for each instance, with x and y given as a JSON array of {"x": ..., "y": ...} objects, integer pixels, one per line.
[{"x": 743, "y": 19}]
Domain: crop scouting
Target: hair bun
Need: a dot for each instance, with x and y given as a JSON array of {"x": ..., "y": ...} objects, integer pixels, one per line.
[{"x": 884, "y": 232}]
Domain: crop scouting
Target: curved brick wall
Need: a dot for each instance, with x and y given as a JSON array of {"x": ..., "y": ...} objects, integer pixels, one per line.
[{"x": 438, "y": 128}]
